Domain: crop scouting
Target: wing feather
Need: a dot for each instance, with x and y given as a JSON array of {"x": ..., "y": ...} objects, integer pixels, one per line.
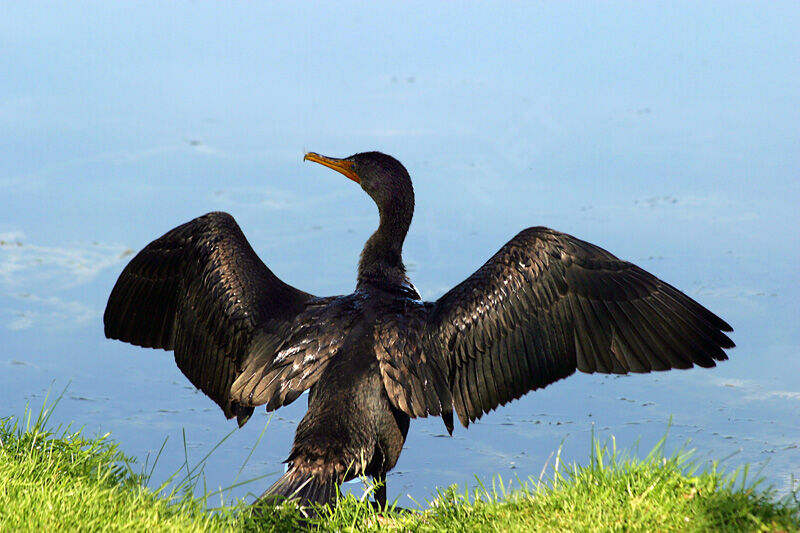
[
  {"x": 201, "y": 291},
  {"x": 415, "y": 383},
  {"x": 547, "y": 304},
  {"x": 317, "y": 335}
]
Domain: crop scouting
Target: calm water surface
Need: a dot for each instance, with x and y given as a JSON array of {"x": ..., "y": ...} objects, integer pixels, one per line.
[{"x": 667, "y": 135}]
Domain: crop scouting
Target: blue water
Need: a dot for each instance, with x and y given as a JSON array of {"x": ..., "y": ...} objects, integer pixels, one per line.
[{"x": 664, "y": 133}]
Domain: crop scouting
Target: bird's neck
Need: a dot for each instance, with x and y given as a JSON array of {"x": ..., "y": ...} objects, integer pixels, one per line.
[{"x": 382, "y": 258}]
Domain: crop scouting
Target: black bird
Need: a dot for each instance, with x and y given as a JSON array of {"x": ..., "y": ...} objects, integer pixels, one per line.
[{"x": 543, "y": 306}]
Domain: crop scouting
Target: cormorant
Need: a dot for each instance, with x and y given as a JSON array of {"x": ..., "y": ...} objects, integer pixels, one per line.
[{"x": 543, "y": 306}]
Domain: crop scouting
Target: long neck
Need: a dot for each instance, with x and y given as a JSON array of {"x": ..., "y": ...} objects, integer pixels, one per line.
[{"x": 381, "y": 260}]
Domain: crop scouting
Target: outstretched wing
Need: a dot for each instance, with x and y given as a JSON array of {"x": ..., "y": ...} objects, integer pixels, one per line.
[
  {"x": 548, "y": 303},
  {"x": 201, "y": 291}
]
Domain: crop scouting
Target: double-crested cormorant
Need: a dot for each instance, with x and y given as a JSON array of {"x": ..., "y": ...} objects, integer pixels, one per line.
[{"x": 543, "y": 306}]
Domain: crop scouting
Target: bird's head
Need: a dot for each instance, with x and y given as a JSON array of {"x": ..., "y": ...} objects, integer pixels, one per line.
[
  {"x": 381, "y": 176},
  {"x": 387, "y": 182}
]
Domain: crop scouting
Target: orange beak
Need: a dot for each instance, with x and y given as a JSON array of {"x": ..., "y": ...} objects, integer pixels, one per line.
[{"x": 344, "y": 166}]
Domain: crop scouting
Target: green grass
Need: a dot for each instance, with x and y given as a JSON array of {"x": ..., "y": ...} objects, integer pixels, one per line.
[
  {"x": 61, "y": 480},
  {"x": 616, "y": 493}
]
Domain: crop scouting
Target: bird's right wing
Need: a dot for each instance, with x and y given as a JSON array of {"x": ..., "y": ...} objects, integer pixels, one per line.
[
  {"x": 201, "y": 291},
  {"x": 547, "y": 304}
]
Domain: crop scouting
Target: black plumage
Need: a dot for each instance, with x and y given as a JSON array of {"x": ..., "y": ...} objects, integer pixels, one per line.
[{"x": 543, "y": 306}]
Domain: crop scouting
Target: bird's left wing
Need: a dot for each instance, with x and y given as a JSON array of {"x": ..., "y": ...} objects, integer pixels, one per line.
[
  {"x": 547, "y": 304},
  {"x": 317, "y": 336},
  {"x": 202, "y": 291}
]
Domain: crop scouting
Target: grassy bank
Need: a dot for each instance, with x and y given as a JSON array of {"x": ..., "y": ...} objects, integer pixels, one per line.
[{"x": 60, "y": 480}]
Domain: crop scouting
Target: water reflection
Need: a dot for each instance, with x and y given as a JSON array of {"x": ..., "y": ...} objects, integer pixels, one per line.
[{"x": 662, "y": 135}]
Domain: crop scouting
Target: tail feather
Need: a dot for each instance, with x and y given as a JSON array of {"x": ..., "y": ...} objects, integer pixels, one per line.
[{"x": 304, "y": 488}]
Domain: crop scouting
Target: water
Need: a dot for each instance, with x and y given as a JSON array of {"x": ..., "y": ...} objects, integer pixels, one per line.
[{"x": 666, "y": 134}]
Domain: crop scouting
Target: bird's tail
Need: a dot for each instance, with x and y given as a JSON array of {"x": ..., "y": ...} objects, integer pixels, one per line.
[{"x": 306, "y": 489}]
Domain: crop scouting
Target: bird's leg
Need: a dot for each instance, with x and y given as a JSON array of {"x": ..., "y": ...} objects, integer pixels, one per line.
[{"x": 380, "y": 490}]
